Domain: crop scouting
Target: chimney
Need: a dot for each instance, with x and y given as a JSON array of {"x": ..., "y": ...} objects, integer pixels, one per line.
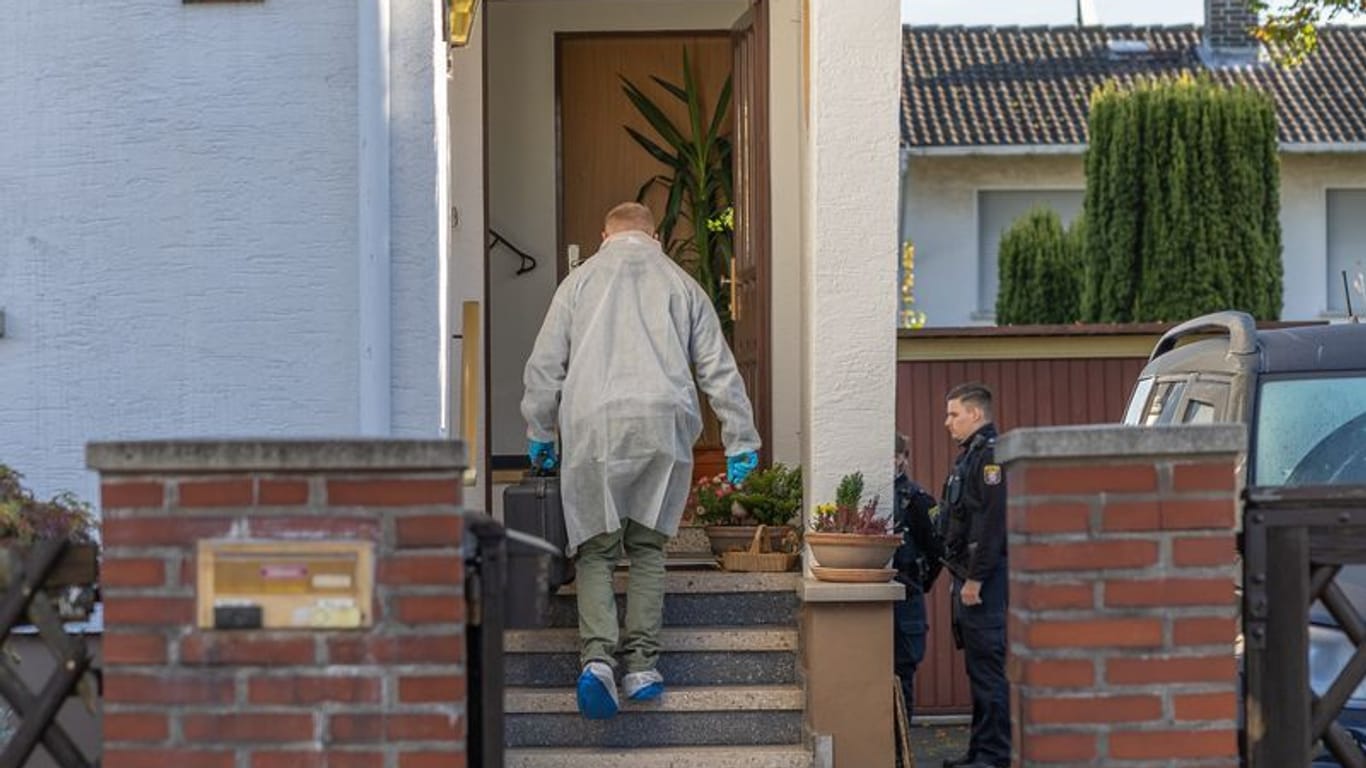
[
  {"x": 1227, "y": 31},
  {"x": 1086, "y": 14}
]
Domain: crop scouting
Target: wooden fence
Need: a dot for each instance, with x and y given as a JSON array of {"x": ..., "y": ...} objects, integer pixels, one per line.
[{"x": 1041, "y": 376}]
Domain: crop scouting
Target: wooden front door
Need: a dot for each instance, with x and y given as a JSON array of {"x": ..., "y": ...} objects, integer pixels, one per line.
[
  {"x": 750, "y": 275},
  {"x": 600, "y": 164}
]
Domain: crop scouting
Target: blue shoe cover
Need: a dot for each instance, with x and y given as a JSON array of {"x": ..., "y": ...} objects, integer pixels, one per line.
[
  {"x": 644, "y": 686},
  {"x": 597, "y": 692}
]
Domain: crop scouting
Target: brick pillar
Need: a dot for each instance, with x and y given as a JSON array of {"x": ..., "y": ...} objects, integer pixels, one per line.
[
  {"x": 388, "y": 696},
  {"x": 1122, "y": 607}
]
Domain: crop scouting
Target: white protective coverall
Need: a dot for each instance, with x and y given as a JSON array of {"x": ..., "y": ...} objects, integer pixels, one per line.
[{"x": 613, "y": 362}]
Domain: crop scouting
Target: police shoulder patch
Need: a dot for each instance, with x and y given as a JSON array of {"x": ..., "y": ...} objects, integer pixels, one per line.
[{"x": 991, "y": 474}]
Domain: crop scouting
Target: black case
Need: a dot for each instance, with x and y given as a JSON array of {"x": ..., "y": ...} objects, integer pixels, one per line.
[{"x": 533, "y": 506}]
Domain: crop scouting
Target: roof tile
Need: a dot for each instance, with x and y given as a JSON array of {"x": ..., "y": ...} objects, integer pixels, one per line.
[{"x": 1024, "y": 86}]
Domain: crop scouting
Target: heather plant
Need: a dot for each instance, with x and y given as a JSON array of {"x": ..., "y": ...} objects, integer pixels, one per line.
[
  {"x": 850, "y": 513},
  {"x": 25, "y": 519}
]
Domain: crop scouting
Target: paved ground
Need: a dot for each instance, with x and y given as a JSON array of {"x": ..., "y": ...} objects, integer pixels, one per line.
[{"x": 935, "y": 742}]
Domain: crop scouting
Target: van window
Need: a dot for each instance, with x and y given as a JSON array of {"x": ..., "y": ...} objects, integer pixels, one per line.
[
  {"x": 1140, "y": 399},
  {"x": 1198, "y": 413},
  {"x": 1162, "y": 408},
  {"x": 1311, "y": 431}
]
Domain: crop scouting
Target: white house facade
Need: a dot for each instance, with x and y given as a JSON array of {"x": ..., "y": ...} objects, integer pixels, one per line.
[
  {"x": 994, "y": 122},
  {"x": 219, "y": 219},
  {"x": 271, "y": 219}
]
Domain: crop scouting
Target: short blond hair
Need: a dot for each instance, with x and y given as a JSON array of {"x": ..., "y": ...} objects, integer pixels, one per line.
[{"x": 628, "y": 216}]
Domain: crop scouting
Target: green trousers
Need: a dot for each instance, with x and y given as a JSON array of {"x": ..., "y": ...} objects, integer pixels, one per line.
[{"x": 598, "y": 634}]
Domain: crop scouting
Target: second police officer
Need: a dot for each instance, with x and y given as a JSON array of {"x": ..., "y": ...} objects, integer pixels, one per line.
[{"x": 975, "y": 555}]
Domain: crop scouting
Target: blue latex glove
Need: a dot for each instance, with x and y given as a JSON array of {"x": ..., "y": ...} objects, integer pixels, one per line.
[
  {"x": 542, "y": 455},
  {"x": 739, "y": 466}
]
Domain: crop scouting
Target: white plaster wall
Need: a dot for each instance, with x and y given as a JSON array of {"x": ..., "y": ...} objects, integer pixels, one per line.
[
  {"x": 414, "y": 217},
  {"x": 1305, "y": 180},
  {"x": 178, "y": 238},
  {"x": 850, "y": 185},
  {"x": 939, "y": 215},
  {"x": 521, "y": 157}
]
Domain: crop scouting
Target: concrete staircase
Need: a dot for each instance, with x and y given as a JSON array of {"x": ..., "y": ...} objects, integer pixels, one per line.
[{"x": 733, "y": 697}]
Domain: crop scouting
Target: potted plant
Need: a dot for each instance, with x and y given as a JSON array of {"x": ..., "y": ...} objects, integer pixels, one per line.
[
  {"x": 770, "y": 497},
  {"x": 697, "y": 157},
  {"x": 697, "y": 218},
  {"x": 25, "y": 520},
  {"x": 848, "y": 541}
]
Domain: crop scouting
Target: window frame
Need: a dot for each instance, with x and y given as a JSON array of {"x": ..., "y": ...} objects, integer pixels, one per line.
[{"x": 987, "y": 311}]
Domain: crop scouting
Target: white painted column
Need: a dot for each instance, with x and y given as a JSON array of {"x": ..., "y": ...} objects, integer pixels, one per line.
[
  {"x": 376, "y": 280},
  {"x": 849, "y": 245}
]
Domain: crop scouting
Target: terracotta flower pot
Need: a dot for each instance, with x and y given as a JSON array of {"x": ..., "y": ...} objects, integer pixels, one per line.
[
  {"x": 852, "y": 550},
  {"x": 737, "y": 538}
]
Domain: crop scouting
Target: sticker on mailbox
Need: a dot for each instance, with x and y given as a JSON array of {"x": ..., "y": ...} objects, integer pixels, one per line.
[
  {"x": 283, "y": 571},
  {"x": 331, "y": 581}
]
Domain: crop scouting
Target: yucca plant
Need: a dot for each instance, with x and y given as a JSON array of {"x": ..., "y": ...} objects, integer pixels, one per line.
[{"x": 698, "y": 181}]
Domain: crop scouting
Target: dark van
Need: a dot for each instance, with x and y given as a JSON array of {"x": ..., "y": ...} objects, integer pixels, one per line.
[{"x": 1302, "y": 394}]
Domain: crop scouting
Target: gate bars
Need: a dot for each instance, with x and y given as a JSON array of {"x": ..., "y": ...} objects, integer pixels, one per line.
[
  {"x": 23, "y": 597},
  {"x": 1295, "y": 541}
]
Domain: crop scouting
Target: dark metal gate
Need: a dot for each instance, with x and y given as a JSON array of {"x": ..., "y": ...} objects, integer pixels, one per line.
[
  {"x": 24, "y": 597},
  {"x": 1296, "y": 541}
]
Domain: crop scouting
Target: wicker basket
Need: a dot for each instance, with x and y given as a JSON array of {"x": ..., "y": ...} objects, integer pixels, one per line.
[{"x": 757, "y": 557}]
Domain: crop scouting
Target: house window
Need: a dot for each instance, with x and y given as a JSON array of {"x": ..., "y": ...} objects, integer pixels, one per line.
[
  {"x": 996, "y": 211},
  {"x": 1346, "y": 246}
]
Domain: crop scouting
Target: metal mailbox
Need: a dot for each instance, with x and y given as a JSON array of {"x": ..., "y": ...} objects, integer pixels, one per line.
[{"x": 285, "y": 584}]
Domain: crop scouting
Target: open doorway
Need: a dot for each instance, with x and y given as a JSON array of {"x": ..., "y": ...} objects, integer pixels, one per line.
[{"x": 558, "y": 157}]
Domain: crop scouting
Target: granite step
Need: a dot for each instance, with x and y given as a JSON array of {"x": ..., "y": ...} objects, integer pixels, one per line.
[
  {"x": 689, "y": 716},
  {"x": 703, "y": 598},
  {"x": 780, "y": 756},
  {"x": 691, "y": 656},
  {"x": 710, "y": 582},
  {"x": 690, "y": 538}
]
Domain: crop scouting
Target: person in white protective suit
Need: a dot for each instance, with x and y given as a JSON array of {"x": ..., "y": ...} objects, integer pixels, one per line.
[{"x": 613, "y": 369}]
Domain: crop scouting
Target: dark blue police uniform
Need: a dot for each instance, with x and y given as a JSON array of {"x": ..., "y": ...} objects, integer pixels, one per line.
[
  {"x": 917, "y": 562},
  {"x": 975, "y": 548}
]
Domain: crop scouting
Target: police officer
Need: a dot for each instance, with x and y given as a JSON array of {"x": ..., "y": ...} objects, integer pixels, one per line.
[
  {"x": 917, "y": 564},
  {"x": 975, "y": 554}
]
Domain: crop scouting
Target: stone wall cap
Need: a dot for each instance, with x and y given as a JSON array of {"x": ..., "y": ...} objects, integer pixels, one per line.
[
  {"x": 814, "y": 591},
  {"x": 275, "y": 455},
  {"x": 1120, "y": 440}
]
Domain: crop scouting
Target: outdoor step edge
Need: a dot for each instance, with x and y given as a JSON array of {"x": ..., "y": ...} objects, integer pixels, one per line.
[
  {"x": 756, "y": 638},
  {"x": 681, "y": 699},
  {"x": 712, "y": 582},
  {"x": 777, "y": 756}
]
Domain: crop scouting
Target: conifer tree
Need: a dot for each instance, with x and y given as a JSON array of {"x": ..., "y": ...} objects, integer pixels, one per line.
[
  {"x": 1040, "y": 268},
  {"x": 1182, "y": 202}
]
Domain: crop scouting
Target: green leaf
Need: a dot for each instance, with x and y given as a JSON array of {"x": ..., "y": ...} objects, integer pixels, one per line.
[
  {"x": 654, "y": 149},
  {"x": 669, "y": 221},
  {"x": 679, "y": 93},
  {"x": 722, "y": 108},
  {"x": 694, "y": 101},
  {"x": 645, "y": 188},
  {"x": 654, "y": 116}
]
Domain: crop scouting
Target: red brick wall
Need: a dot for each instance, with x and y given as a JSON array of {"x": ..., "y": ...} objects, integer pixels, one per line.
[
  {"x": 1122, "y": 611},
  {"x": 389, "y": 696}
]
